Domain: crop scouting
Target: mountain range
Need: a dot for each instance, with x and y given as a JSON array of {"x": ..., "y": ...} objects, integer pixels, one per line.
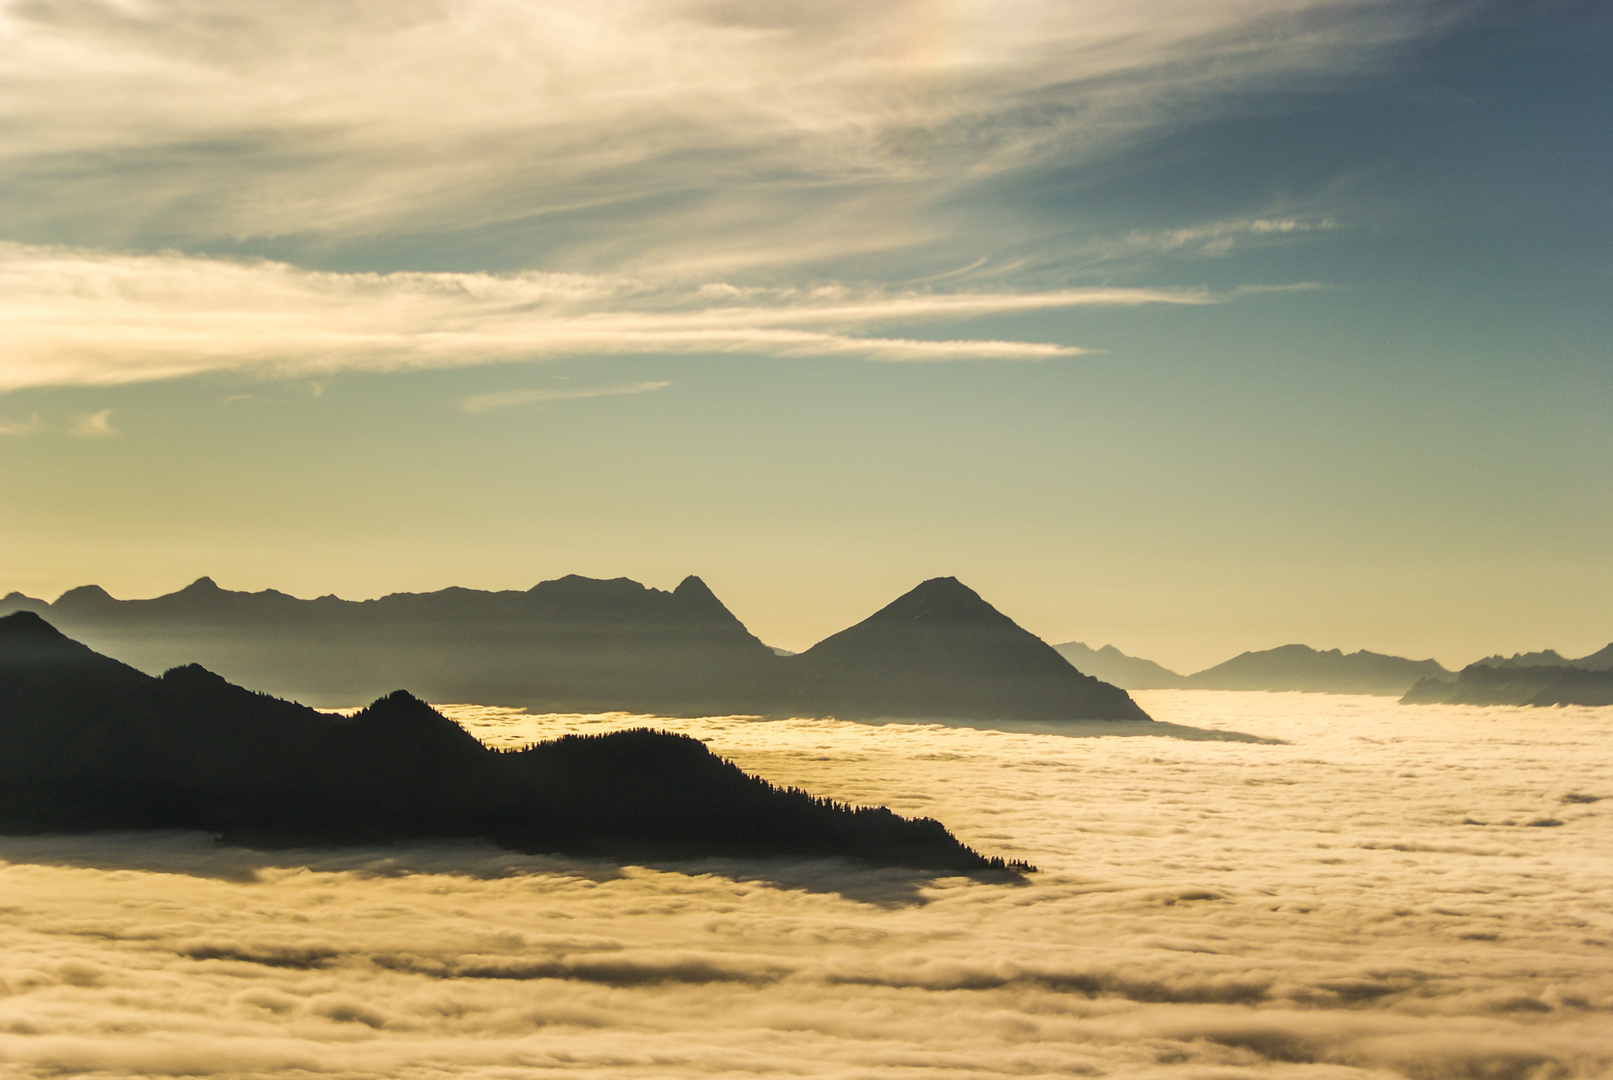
[
  {"x": 1536, "y": 678},
  {"x": 1289, "y": 667},
  {"x": 587, "y": 645},
  {"x": 91, "y": 743}
]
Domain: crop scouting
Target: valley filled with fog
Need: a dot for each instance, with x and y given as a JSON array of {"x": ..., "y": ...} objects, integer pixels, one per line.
[{"x": 1369, "y": 890}]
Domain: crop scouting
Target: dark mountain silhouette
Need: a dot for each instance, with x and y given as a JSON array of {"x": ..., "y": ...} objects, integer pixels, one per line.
[
  {"x": 1601, "y": 660},
  {"x": 1113, "y": 666},
  {"x": 588, "y": 645},
  {"x": 1540, "y": 685},
  {"x": 1299, "y": 667},
  {"x": 91, "y": 743},
  {"x": 942, "y": 651}
]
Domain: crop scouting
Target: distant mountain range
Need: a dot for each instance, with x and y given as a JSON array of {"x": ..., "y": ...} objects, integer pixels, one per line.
[
  {"x": 1545, "y": 684},
  {"x": 91, "y": 743},
  {"x": 1537, "y": 678},
  {"x": 1601, "y": 660},
  {"x": 1113, "y": 666},
  {"x": 1290, "y": 667},
  {"x": 587, "y": 645}
]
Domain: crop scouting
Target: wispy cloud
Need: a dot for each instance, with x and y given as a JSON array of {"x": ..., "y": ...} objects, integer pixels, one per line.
[
  {"x": 94, "y": 426},
  {"x": 508, "y": 399},
  {"x": 1219, "y": 237},
  {"x": 693, "y": 132},
  {"x": 78, "y": 318},
  {"x": 19, "y": 427}
]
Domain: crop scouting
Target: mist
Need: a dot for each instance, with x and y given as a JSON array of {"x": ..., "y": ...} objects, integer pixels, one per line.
[{"x": 1371, "y": 890}]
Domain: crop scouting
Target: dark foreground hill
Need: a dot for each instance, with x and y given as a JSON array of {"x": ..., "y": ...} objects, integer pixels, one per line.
[
  {"x": 586, "y": 645},
  {"x": 1113, "y": 666},
  {"x": 90, "y": 743},
  {"x": 1540, "y": 685},
  {"x": 1299, "y": 667}
]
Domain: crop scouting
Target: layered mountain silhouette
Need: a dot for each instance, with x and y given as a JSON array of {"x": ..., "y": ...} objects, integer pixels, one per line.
[
  {"x": 1290, "y": 667},
  {"x": 91, "y": 743},
  {"x": 1299, "y": 667},
  {"x": 1113, "y": 666},
  {"x": 1515, "y": 684},
  {"x": 1601, "y": 660},
  {"x": 588, "y": 645}
]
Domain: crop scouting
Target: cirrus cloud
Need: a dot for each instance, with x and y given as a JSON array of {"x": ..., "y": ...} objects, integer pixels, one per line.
[{"x": 79, "y": 318}]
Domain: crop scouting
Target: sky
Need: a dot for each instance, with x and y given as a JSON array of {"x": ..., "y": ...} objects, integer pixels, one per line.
[
  {"x": 1366, "y": 898},
  {"x": 1193, "y": 328}
]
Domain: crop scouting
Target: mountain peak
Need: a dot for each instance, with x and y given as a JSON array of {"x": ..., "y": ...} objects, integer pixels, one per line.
[
  {"x": 941, "y": 599},
  {"x": 203, "y": 584},
  {"x": 28, "y": 627}
]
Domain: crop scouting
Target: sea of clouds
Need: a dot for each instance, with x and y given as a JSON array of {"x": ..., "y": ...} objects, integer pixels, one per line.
[{"x": 1376, "y": 890}]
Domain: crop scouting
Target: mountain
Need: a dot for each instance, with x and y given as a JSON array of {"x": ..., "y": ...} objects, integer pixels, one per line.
[
  {"x": 589, "y": 645},
  {"x": 571, "y": 645},
  {"x": 91, "y": 743},
  {"x": 1601, "y": 660},
  {"x": 1299, "y": 667},
  {"x": 1113, "y": 666},
  {"x": 1540, "y": 685},
  {"x": 941, "y": 651}
]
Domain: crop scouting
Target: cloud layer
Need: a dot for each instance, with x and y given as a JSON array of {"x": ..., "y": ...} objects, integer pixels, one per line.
[
  {"x": 77, "y": 318},
  {"x": 1394, "y": 891},
  {"x": 695, "y": 121},
  {"x": 590, "y": 153}
]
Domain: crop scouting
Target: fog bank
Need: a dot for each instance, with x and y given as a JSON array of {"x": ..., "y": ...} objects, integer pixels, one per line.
[{"x": 1390, "y": 891}]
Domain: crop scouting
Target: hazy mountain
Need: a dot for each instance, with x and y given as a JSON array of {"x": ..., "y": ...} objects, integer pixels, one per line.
[
  {"x": 1545, "y": 684},
  {"x": 574, "y": 644},
  {"x": 1113, "y": 666},
  {"x": 1299, "y": 667},
  {"x": 942, "y": 651},
  {"x": 587, "y": 645},
  {"x": 1601, "y": 660},
  {"x": 91, "y": 743}
]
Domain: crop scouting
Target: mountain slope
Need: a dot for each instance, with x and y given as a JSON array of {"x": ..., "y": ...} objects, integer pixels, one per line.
[
  {"x": 94, "y": 744},
  {"x": 1299, "y": 667},
  {"x": 941, "y": 651}
]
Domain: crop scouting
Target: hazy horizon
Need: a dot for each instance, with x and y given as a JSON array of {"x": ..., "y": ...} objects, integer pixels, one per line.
[{"x": 873, "y": 604}]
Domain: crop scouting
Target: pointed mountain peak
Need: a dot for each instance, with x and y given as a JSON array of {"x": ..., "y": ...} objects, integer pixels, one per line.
[
  {"x": 694, "y": 597},
  {"x": 692, "y": 586},
  {"x": 942, "y": 599},
  {"x": 202, "y": 584}
]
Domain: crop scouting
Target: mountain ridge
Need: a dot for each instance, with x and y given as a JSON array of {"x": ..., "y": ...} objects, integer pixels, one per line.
[
  {"x": 94, "y": 744},
  {"x": 576, "y": 644}
]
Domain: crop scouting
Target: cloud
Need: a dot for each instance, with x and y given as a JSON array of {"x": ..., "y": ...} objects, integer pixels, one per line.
[
  {"x": 19, "y": 427},
  {"x": 88, "y": 318},
  {"x": 506, "y": 399},
  {"x": 701, "y": 133},
  {"x": 94, "y": 426},
  {"x": 1220, "y": 237},
  {"x": 1207, "y": 909}
]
